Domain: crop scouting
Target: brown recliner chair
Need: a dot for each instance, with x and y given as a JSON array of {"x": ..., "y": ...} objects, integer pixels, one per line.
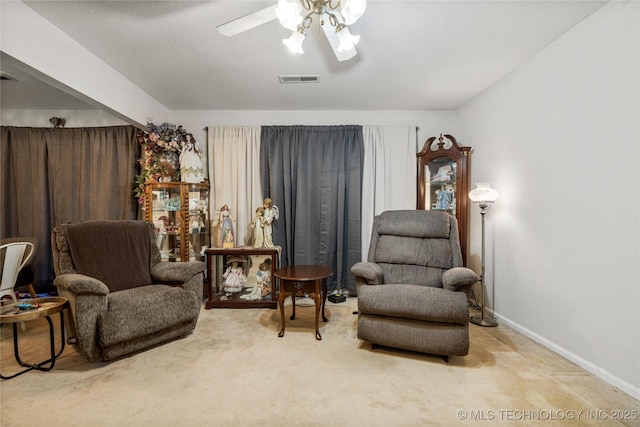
[
  {"x": 412, "y": 292},
  {"x": 123, "y": 298}
]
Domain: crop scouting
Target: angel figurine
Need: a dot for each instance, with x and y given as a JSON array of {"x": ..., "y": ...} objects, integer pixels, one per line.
[
  {"x": 258, "y": 228},
  {"x": 270, "y": 214}
]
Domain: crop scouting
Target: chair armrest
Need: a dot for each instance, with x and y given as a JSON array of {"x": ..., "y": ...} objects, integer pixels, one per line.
[
  {"x": 370, "y": 272},
  {"x": 176, "y": 272},
  {"x": 456, "y": 277},
  {"x": 88, "y": 299},
  {"x": 79, "y": 284}
]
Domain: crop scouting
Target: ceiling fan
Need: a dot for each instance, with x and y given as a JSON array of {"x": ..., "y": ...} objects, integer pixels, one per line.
[{"x": 298, "y": 15}]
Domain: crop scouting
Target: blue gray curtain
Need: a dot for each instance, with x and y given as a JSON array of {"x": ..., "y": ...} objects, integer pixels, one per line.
[{"x": 314, "y": 175}]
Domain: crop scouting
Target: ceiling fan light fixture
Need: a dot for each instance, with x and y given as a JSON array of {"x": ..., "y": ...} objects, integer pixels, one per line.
[
  {"x": 289, "y": 14},
  {"x": 352, "y": 10},
  {"x": 333, "y": 17},
  {"x": 294, "y": 43},
  {"x": 338, "y": 14}
]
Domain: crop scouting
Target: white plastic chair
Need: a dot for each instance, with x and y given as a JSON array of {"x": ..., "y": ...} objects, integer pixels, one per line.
[{"x": 16, "y": 256}]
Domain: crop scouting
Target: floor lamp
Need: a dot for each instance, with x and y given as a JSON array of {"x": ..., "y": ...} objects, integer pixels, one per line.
[{"x": 484, "y": 196}]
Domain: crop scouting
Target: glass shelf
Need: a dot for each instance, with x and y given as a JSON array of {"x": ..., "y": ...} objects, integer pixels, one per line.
[
  {"x": 443, "y": 181},
  {"x": 180, "y": 213}
]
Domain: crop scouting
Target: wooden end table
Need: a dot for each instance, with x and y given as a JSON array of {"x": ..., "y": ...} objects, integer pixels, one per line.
[
  {"x": 296, "y": 279},
  {"x": 10, "y": 314}
]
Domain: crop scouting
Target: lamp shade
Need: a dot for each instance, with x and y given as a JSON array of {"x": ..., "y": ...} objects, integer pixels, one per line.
[
  {"x": 289, "y": 14},
  {"x": 352, "y": 10},
  {"x": 483, "y": 193},
  {"x": 294, "y": 43},
  {"x": 347, "y": 40}
]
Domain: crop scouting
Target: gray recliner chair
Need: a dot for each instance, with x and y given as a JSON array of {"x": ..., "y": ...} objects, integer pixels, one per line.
[
  {"x": 123, "y": 298},
  {"x": 412, "y": 291}
]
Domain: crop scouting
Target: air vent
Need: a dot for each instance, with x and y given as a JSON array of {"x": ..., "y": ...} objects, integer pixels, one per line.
[{"x": 298, "y": 79}]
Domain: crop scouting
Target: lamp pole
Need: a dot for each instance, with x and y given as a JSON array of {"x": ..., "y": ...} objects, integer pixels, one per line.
[{"x": 482, "y": 320}]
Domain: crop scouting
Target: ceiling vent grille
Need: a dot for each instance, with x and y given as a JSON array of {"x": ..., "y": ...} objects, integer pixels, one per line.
[{"x": 298, "y": 79}]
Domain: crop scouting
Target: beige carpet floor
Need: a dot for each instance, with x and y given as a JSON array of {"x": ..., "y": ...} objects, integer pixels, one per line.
[{"x": 235, "y": 371}]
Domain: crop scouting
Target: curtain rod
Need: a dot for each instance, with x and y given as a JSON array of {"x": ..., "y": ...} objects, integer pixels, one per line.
[{"x": 207, "y": 128}]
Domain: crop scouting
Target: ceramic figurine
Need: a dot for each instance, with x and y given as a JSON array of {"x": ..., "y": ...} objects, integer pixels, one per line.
[
  {"x": 190, "y": 163},
  {"x": 234, "y": 278},
  {"x": 262, "y": 288},
  {"x": 225, "y": 230},
  {"x": 258, "y": 228},
  {"x": 270, "y": 214}
]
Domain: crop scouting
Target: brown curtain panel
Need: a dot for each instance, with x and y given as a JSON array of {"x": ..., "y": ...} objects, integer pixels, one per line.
[{"x": 51, "y": 176}]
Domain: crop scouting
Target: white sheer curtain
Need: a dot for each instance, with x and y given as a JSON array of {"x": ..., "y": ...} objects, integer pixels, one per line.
[
  {"x": 389, "y": 175},
  {"x": 234, "y": 171}
]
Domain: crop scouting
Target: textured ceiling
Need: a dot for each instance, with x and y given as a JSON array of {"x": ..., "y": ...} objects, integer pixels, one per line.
[{"x": 413, "y": 55}]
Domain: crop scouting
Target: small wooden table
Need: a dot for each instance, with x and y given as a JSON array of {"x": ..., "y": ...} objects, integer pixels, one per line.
[
  {"x": 11, "y": 313},
  {"x": 295, "y": 279}
]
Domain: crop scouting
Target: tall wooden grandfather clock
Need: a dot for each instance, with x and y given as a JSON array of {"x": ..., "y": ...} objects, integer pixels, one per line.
[{"x": 443, "y": 181}]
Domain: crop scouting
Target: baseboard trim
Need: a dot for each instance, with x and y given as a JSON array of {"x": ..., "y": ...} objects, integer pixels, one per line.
[{"x": 603, "y": 374}]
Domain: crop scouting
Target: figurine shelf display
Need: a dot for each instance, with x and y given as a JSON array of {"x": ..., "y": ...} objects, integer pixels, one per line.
[
  {"x": 179, "y": 211},
  {"x": 241, "y": 277}
]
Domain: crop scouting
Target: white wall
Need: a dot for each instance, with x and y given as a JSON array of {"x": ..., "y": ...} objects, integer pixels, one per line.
[
  {"x": 74, "y": 118},
  {"x": 559, "y": 138}
]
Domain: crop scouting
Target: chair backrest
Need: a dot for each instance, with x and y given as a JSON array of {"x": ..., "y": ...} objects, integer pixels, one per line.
[
  {"x": 119, "y": 253},
  {"x": 415, "y": 246},
  {"x": 28, "y": 273},
  {"x": 15, "y": 256}
]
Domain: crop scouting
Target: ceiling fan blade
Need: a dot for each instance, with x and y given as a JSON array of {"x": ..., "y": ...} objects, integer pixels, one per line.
[
  {"x": 330, "y": 32},
  {"x": 247, "y": 22}
]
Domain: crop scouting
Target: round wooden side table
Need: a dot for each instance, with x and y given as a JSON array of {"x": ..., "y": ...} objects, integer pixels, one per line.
[
  {"x": 12, "y": 314},
  {"x": 296, "y": 279}
]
